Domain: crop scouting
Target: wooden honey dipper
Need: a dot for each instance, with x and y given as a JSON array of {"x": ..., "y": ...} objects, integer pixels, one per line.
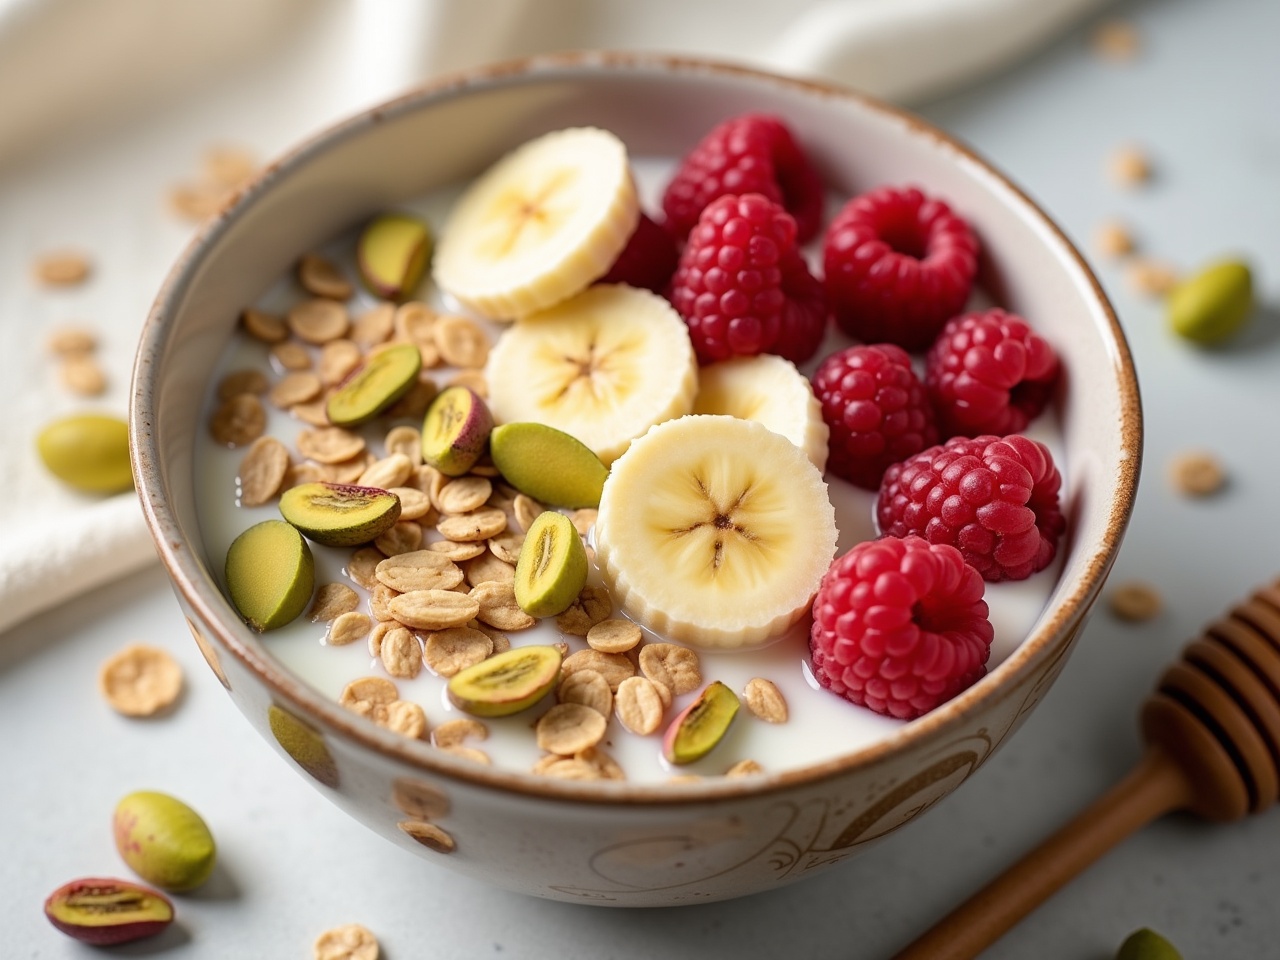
[{"x": 1212, "y": 729}]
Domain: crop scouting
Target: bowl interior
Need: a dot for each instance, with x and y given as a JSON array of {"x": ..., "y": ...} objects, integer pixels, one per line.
[{"x": 451, "y": 131}]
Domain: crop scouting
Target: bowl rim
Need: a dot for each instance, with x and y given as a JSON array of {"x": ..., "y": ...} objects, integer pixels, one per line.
[{"x": 1053, "y": 639}]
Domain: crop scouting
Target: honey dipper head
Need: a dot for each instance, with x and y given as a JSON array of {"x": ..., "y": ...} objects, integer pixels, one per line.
[{"x": 1216, "y": 711}]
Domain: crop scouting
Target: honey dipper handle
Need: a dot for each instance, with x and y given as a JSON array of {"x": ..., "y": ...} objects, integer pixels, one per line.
[{"x": 1154, "y": 787}]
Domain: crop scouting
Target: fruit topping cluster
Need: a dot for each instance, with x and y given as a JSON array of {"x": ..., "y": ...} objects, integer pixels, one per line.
[{"x": 647, "y": 368}]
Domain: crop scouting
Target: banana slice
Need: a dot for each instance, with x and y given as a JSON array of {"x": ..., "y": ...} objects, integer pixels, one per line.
[
  {"x": 770, "y": 390},
  {"x": 603, "y": 366},
  {"x": 539, "y": 225},
  {"x": 714, "y": 531}
]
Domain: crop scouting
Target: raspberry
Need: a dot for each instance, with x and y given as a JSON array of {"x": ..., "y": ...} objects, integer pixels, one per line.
[
  {"x": 898, "y": 265},
  {"x": 994, "y": 498},
  {"x": 754, "y": 153},
  {"x": 876, "y": 409},
  {"x": 989, "y": 373},
  {"x": 648, "y": 260},
  {"x": 899, "y": 626},
  {"x": 742, "y": 286}
]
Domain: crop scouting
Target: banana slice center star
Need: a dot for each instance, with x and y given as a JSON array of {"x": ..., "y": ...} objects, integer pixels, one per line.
[
  {"x": 526, "y": 215},
  {"x": 718, "y": 524},
  {"x": 597, "y": 372}
]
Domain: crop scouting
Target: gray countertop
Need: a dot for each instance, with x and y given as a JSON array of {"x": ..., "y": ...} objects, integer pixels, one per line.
[{"x": 1202, "y": 100}]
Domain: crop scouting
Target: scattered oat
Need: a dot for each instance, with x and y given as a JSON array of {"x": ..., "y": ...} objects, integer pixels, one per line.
[
  {"x": 567, "y": 768},
  {"x": 592, "y": 606},
  {"x": 461, "y": 341},
  {"x": 434, "y": 609},
  {"x": 675, "y": 666},
  {"x": 1150, "y": 277},
  {"x": 331, "y": 601},
  {"x": 368, "y": 696},
  {"x": 583, "y": 520},
  {"x": 62, "y": 268},
  {"x": 291, "y": 355},
  {"x": 1113, "y": 239},
  {"x": 330, "y": 444},
  {"x": 463, "y": 495},
  {"x": 390, "y": 471},
  {"x": 405, "y": 718},
  {"x": 468, "y": 753},
  {"x": 498, "y": 606},
  {"x": 196, "y": 201},
  {"x": 400, "y": 652},
  {"x": 406, "y": 441},
  {"x": 1135, "y": 601},
  {"x": 83, "y": 375},
  {"x": 589, "y": 688},
  {"x": 1115, "y": 40},
  {"x": 414, "y": 504},
  {"x": 315, "y": 414},
  {"x": 1129, "y": 166},
  {"x": 267, "y": 327},
  {"x": 614, "y": 636},
  {"x": 447, "y": 652},
  {"x": 614, "y": 667},
  {"x": 229, "y": 165},
  {"x": 239, "y": 421},
  {"x": 473, "y": 380},
  {"x": 569, "y": 727},
  {"x": 350, "y": 942},
  {"x": 429, "y": 835},
  {"x": 507, "y": 547},
  {"x": 293, "y": 388},
  {"x": 300, "y": 473},
  {"x": 482, "y": 524},
  {"x": 486, "y": 568},
  {"x": 526, "y": 510},
  {"x": 605, "y": 765},
  {"x": 374, "y": 326},
  {"x": 419, "y": 800},
  {"x": 72, "y": 341},
  {"x": 500, "y": 642},
  {"x": 363, "y": 566},
  {"x": 418, "y": 570},
  {"x": 744, "y": 768},
  {"x": 638, "y": 705},
  {"x": 318, "y": 321},
  {"x": 337, "y": 359},
  {"x": 380, "y": 602},
  {"x": 348, "y": 471},
  {"x": 405, "y": 536},
  {"x": 1197, "y": 473},
  {"x": 348, "y": 628},
  {"x": 765, "y": 700},
  {"x": 262, "y": 471},
  {"x": 320, "y": 277},
  {"x": 140, "y": 681},
  {"x": 451, "y": 733},
  {"x": 484, "y": 468},
  {"x": 242, "y": 381},
  {"x": 413, "y": 321},
  {"x": 379, "y": 633},
  {"x": 455, "y": 551}
]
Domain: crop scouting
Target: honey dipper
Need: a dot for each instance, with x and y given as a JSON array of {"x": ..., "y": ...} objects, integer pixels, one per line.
[{"x": 1212, "y": 729}]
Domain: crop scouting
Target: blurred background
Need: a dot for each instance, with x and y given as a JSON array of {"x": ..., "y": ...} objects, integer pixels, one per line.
[{"x": 1147, "y": 128}]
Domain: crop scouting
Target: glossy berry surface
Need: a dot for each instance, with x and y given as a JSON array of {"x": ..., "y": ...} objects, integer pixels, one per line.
[
  {"x": 753, "y": 153},
  {"x": 876, "y": 409},
  {"x": 742, "y": 287},
  {"x": 989, "y": 372},
  {"x": 993, "y": 498},
  {"x": 898, "y": 265},
  {"x": 900, "y": 626}
]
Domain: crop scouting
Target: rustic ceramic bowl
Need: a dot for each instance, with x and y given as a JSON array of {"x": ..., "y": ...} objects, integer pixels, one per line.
[{"x": 610, "y": 842}]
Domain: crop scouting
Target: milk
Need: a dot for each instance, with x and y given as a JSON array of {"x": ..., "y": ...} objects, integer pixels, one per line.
[{"x": 821, "y": 725}]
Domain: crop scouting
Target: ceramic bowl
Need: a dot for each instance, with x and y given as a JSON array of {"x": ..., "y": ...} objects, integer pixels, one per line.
[{"x": 616, "y": 842}]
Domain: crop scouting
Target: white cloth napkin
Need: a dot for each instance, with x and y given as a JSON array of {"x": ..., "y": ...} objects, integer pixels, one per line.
[{"x": 277, "y": 69}]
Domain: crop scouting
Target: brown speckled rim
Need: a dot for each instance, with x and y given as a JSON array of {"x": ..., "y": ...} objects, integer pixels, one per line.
[{"x": 1051, "y": 638}]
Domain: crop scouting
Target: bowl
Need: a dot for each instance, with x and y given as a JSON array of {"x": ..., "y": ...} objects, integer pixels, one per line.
[{"x": 606, "y": 842}]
